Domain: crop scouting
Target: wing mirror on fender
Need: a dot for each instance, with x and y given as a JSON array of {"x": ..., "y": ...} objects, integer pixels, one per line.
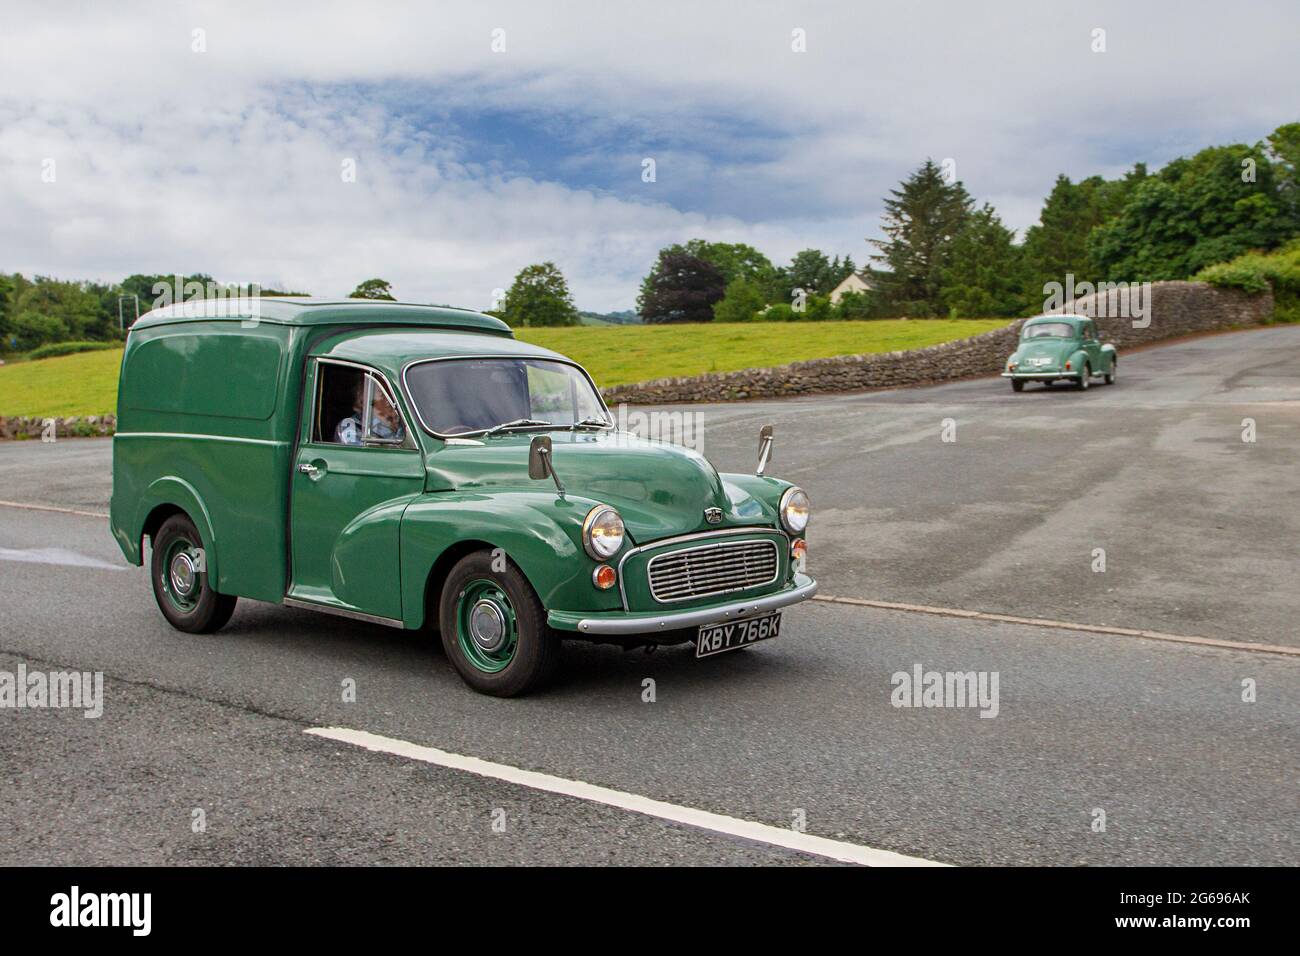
[
  {"x": 539, "y": 462},
  {"x": 764, "y": 448}
]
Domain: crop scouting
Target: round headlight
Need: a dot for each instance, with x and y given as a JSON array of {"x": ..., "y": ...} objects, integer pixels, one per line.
[
  {"x": 794, "y": 510},
  {"x": 602, "y": 532}
]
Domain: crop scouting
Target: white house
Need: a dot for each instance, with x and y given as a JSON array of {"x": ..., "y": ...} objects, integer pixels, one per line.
[{"x": 853, "y": 283}]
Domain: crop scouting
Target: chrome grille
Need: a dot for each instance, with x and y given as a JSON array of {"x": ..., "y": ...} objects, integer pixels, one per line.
[{"x": 712, "y": 569}]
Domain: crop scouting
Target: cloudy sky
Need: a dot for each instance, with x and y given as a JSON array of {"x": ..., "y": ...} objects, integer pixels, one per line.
[{"x": 215, "y": 137}]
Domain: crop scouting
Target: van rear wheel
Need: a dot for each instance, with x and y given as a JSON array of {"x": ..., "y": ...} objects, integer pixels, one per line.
[
  {"x": 494, "y": 628},
  {"x": 180, "y": 580}
]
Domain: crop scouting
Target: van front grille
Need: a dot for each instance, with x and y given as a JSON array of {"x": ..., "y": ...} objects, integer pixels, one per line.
[{"x": 713, "y": 569}]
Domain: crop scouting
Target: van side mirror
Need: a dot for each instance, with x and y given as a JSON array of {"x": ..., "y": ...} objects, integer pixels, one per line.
[
  {"x": 764, "y": 448},
  {"x": 539, "y": 458},
  {"x": 539, "y": 461}
]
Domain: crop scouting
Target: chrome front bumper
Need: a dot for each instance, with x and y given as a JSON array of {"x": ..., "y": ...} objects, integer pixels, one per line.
[{"x": 624, "y": 623}]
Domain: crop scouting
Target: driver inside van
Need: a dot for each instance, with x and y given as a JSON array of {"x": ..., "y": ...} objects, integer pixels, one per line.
[{"x": 385, "y": 423}]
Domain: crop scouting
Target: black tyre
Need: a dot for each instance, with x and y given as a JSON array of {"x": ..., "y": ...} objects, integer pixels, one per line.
[
  {"x": 1017, "y": 385},
  {"x": 1085, "y": 378},
  {"x": 1110, "y": 376},
  {"x": 494, "y": 628},
  {"x": 180, "y": 580}
]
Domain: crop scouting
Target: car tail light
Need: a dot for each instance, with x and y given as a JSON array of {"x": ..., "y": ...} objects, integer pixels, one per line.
[{"x": 1067, "y": 366}]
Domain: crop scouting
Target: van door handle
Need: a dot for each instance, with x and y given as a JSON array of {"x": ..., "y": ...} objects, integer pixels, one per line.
[{"x": 310, "y": 470}]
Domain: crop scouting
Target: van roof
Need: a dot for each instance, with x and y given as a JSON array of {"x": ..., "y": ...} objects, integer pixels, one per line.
[
  {"x": 392, "y": 349},
  {"x": 295, "y": 310}
]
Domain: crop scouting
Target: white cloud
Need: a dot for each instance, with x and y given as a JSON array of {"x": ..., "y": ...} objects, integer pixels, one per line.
[{"x": 228, "y": 160}]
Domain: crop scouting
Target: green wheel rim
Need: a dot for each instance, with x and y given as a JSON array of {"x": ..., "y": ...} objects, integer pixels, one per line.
[
  {"x": 181, "y": 581},
  {"x": 486, "y": 628}
]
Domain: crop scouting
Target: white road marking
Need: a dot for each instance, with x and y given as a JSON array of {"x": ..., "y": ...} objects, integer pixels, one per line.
[
  {"x": 702, "y": 819},
  {"x": 66, "y": 511},
  {"x": 59, "y": 556},
  {"x": 1252, "y": 646}
]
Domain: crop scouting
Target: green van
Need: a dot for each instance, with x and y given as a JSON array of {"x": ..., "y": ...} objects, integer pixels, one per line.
[{"x": 420, "y": 467}]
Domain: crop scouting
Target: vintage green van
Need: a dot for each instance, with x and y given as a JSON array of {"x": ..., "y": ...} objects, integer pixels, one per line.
[{"x": 420, "y": 467}]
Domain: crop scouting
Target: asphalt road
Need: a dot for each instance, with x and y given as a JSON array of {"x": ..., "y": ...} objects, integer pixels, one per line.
[{"x": 1199, "y": 537}]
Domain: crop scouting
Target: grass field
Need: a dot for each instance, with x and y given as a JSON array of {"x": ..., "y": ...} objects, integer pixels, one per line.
[
  {"x": 86, "y": 383},
  {"x": 619, "y": 355}
]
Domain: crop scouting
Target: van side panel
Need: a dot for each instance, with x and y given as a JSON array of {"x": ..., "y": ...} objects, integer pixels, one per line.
[{"x": 206, "y": 412}]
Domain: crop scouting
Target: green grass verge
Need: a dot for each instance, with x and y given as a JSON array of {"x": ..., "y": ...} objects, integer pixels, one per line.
[
  {"x": 81, "y": 384},
  {"x": 86, "y": 384},
  {"x": 617, "y": 355}
]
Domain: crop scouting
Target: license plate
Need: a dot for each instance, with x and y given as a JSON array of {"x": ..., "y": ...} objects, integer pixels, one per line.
[{"x": 717, "y": 638}]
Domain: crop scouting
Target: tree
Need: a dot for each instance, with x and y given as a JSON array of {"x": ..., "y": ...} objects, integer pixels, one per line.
[
  {"x": 373, "y": 289},
  {"x": 1194, "y": 212},
  {"x": 734, "y": 259},
  {"x": 680, "y": 288},
  {"x": 51, "y": 310},
  {"x": 841, "y": 270},
  {"x": 920, "y": 222},
  {"x": 6, "y": 309},
  {"x": 983, "y": 275},
  {"x": 154, "y": 292},
  {"x": 742, "y": 301},
  {"x": 539, "y": 296},
  {"x": 1284, "y": 151},
  {"x": 811, "y": 271}
]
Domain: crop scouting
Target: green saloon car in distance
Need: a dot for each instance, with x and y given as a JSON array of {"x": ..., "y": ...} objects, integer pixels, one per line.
[
  {"x": 420, "y": 467},
  {"x": 1060, "y": 347}
]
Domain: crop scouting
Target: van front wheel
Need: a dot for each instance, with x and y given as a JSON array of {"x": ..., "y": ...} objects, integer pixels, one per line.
[
  {"x": 180, "y": 580},
  {"x": 494, "y": 628}
]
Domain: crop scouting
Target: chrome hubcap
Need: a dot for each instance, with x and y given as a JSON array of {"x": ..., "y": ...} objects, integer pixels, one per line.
[
  {"x": 183, "y": 574},
  {"x": 487, "y": 626}
]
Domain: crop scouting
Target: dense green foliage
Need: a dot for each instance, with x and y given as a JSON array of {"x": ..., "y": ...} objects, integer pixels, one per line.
[
  {"x": 743, "y": 299},
  {"x": 1193, "y": 213},
  {"x": 983, "y": 273},
  {"x": 1258, "y": 272}
]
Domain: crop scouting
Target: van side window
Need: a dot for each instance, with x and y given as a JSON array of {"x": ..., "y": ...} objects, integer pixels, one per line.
[{"x": 354, "y": 408}]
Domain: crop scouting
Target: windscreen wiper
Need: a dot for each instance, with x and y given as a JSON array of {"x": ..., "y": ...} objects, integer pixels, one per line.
[
  {"x": 517, "y": 423},
  {"x": 592, "y": 423}
]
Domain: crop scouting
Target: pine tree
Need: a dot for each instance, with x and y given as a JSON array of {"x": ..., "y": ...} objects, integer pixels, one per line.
[{"x": 920, "y": 222}]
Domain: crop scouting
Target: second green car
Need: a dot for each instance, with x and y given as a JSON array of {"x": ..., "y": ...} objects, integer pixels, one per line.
[{"x": 1057, "y": 348}]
